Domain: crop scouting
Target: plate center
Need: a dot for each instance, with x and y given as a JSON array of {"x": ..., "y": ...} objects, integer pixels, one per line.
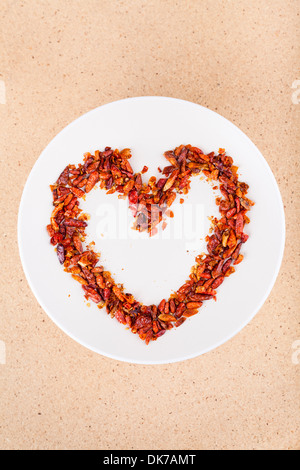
[{"x": 150, "y": 267}]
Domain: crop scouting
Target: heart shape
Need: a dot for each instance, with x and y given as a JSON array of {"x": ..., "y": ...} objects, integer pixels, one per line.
[{"x": 149, "y": 203}]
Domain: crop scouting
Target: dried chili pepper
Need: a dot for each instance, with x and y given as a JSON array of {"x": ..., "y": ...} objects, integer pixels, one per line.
[{"x": 148, "y": 203}]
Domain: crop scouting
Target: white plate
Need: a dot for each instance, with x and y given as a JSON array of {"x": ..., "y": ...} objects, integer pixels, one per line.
[{"x": 152, "y": 268}]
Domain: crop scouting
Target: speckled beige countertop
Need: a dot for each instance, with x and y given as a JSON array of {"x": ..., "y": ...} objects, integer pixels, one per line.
[{"x": 64, "y": 57}]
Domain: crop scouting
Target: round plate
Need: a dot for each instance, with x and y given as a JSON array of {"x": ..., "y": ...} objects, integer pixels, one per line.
[{"x": 150, "y": 268}]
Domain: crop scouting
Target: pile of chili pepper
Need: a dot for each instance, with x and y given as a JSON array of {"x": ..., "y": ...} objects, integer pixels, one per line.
[{"x": 149, "y": 202}]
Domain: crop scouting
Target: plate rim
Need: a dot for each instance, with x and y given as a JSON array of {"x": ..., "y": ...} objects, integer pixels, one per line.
[{"x": 187, "y": 356}]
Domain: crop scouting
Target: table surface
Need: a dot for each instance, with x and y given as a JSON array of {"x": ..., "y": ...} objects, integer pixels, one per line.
[{"x": 62, "y": 59}]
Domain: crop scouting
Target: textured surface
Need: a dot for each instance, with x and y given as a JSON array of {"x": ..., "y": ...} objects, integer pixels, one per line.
[{"x": 62, "y": 59}]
